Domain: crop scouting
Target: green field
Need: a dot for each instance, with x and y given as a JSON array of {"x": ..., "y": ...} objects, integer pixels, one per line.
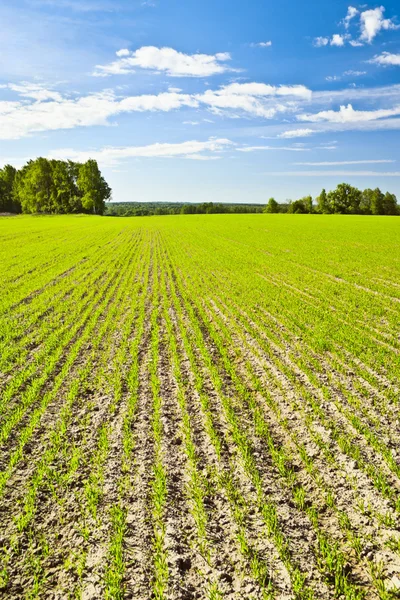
[{"x": 200, "y": 406}]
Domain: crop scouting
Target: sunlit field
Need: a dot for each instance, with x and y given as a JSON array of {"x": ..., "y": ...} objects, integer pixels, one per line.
[{"x": 202, "y": 406}]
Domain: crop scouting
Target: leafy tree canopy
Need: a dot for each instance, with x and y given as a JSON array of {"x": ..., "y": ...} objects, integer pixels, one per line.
[{"x": 53, "y": 186}]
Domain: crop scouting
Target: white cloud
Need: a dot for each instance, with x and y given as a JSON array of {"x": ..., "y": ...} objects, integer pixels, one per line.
[
  {"x": 321, "y": 41},
  {"x": 372, "y": 22},
  {"x": 347, "y": 114},
  {"x": 161, "y": 102},
  {"x": 257, "y": 148},
  {"x": 344, "y": 162},
  {"x": 382, "y": 94},
  {"x": 263, "y": 89},
  {"x": 35, "y": 91},
  {"x": 19, "y": 119},
  {"x": 39, "y": 109},
  {"x": 262, "y": 44},
  {"x": 175, "y": 90},
  {"x": 123, "y": 52},
  {"x": 351, "y": 13},
  {"x": 257, "y": 99},
  {"x": 254, "y": 98},
  {"x": 332, "y": 78},
  {"x": 385, "y": 59},
  {"x": 166, "y": 60},
  {"x": 295, "y": 133},
  {"x": 109, "y": 156},
  {"x": 337, "y": 40},
  {"x": 352, "y": 73}
]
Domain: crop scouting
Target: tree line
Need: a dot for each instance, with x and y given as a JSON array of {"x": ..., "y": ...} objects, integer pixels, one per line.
[
  {"x": 144, "y": 209},
  {"x": 53, "y": 187},
  {"x": 344, "y": 200}
]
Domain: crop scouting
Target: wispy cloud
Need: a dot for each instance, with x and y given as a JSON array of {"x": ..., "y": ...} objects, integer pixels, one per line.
[
  {"x": 386, "y": 59},
  {"x": 256, "y": 99},
  {"x": 286, "y": 148},
  {"x": 351, "y": 73},
  {"x": 351, "y": 13},
  {"x": 261, "y": 44},
  {"x": 320, "y": 41},
  {"x": 296, "y": 133},
  {"x": 39, "y": 109},
  {"x": 345, "y": 162},
  {"x": 335, "y": 173},
  {"x": 108, "y": 156},
  {"x": 379, "y": 94},
  {"x": 165, "y": 60},
  {"x": 347, "y": 114},
  {"x": 36, "y": 91},
  {"x": 49, "y": 113}
]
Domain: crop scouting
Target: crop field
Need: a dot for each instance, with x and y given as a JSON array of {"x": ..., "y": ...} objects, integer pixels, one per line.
[{"x": 200, "y": 407}]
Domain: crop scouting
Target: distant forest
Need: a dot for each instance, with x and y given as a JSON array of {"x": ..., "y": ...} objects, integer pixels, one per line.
[{"x": 144, "y": 209}]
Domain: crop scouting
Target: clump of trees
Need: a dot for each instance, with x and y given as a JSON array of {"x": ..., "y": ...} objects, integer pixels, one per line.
[
  {"x": 344, "y": 200},
  {"x": 53, "y": 187}
]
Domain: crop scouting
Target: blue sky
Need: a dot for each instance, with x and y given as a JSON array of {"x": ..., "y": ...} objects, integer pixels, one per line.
[{"x": 205, "y": 101}]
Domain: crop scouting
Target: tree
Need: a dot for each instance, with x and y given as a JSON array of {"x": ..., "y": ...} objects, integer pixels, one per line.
[
  {"x": 377, "y": 202},
  {"x": 7, "y": 201},
  {"x": 390, "y": 204},
  {"x": 188, "y": 209},
  {"x": 66, "y": 197},
  {"x": 366, "y": 201},
  {"x": 308, "y": 204},
  {"x": 322, "y": 203},
  {"x": 34, "y": 187},
  {"x": 93, "y": 187},
  {"x": 345, "y": 199},
  {"x": 272, "y": 206},
  {"x": 302, "y": 206}
]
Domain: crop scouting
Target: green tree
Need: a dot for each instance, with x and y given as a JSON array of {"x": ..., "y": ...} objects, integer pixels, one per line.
[
  {"x": 272, "y": 206},
  {"x": 34, "y": 187},
  {"x": 93, "y": 187},
  {"x": 377, "y": 207},
  {"x": 302, "y": 206},
  {"x": 308, "y": 204},
  {"x": 366, "y": 201},
  {"x": 322, "y": 203},
  {"x": 66, "y": 197},
  {"x": 345, "y": 199},
  {"x": 7, "y": 201},
  {"x": 188, "y": 209},
  {"x": 390, "y": 204}
]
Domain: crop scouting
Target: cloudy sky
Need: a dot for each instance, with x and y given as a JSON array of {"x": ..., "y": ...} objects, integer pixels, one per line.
[{"x": 203, "y": 100}]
